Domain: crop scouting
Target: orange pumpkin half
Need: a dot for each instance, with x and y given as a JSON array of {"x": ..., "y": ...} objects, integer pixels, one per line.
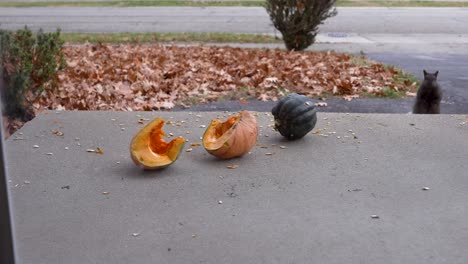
[
  {"x": 149, "y": 150},
  {"x": 233, "y": 137}
]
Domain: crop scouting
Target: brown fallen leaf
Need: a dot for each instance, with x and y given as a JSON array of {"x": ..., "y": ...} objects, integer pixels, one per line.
[
  {"x": 195, "y": 144},
  {"x": 57, "y": 132},
  {"x": 99, "y": 151}
]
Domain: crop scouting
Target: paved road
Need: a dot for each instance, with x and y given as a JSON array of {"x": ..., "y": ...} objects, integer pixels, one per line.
[
  {"x": 232, "y": 19},
  {"x": 370, "y": 29}
]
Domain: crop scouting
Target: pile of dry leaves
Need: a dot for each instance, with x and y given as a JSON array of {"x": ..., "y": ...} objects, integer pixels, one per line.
[{"x": 148, "y": 76}]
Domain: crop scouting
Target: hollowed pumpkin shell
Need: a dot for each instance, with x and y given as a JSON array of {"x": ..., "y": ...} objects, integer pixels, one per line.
[
  {"x": 149, "y": 150},
  {"x": 233, "y": 137}
]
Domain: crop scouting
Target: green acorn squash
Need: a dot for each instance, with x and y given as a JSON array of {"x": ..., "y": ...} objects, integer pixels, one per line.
[{"x": 295, "y": 116}]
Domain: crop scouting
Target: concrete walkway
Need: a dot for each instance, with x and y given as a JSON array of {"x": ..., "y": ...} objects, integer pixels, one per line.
[{"x": 309, "y": 203}]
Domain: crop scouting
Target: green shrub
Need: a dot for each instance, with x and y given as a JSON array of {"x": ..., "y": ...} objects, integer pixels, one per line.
[
  {"x": 298, "y": 20},
  {"x": 30, "y": 64}
]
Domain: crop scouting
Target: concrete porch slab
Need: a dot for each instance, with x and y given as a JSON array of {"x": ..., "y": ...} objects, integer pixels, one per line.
[{"x": 309, "y": 203}]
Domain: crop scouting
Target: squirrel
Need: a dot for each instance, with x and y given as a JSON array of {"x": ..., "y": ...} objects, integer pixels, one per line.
[{"x": 429, "y": 95}]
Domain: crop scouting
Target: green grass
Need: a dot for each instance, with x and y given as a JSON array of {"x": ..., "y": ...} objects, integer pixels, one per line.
[
  {"x": 343, "y": 3},
  {"x": 168, "y": 37}
]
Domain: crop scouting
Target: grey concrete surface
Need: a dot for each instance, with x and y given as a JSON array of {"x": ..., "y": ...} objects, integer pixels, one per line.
[{"x": 309, "y": 203}]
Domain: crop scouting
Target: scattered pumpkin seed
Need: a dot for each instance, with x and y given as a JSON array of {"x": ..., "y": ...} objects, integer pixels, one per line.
[
  {"x": 90, "y": 150},
  {"x": 118, "y": 162},
  {"x": 35, "y": 146},
  {"x": 105, "y": 193},
  {"x": 189, "y": 150},
  {"x": 375, "y": 216},
  {"x": 67, "y": 148},
  {"x": 202, "y": 126},
  {"x": 135, "y": 234},
  {"x": 232, "y": 166},
  {"x": 171, "y": 134},
  {"x": 27, "y": 182},
  {"x": 220, "y": 202},
  {"x": 269, "y": 153},
  {"x": 425, "y": 188},
  {"x": 282, "y": 147},
  {"x": 50, "y": 153},
  {"x": 122, "y": 128}
]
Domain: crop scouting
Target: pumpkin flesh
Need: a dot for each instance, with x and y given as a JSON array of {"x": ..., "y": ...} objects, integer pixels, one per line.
[{"x": 149, "y": 149}]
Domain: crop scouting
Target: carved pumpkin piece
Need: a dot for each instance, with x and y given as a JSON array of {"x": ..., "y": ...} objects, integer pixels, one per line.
[{"x": 149, "y": 149}]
